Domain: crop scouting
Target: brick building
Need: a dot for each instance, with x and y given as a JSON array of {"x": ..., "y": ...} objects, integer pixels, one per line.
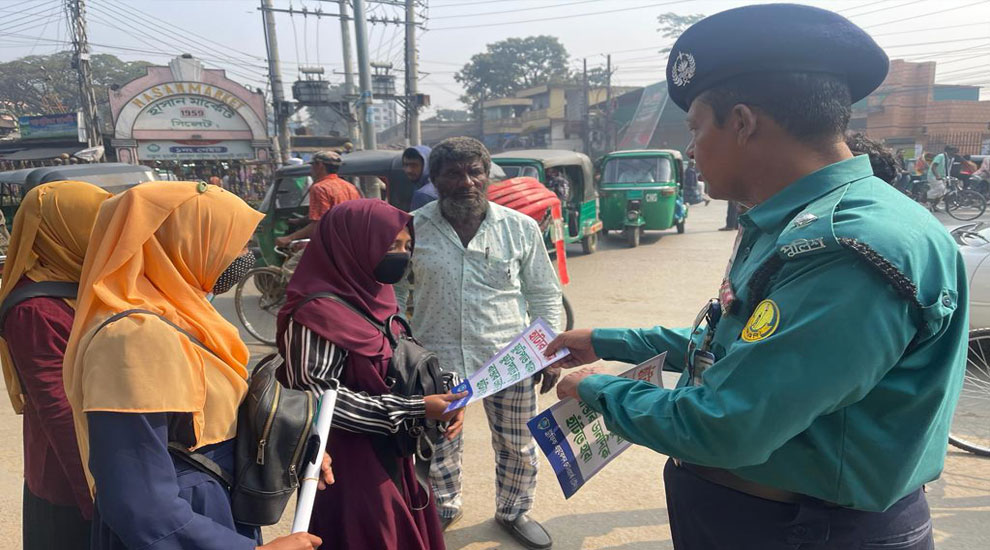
[{"x": 909, "y": 111}]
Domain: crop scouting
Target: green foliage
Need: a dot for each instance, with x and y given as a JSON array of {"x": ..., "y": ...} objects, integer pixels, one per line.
[
  {"x": 511, "y": 65},
  {"x": 39, "y": 84},
  {"x": 672, "y": 25},
  {"x": 453, "y": 115}
]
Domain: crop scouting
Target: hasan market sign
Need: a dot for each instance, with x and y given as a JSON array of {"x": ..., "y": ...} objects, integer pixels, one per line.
[{"x": 185, "y": 111}]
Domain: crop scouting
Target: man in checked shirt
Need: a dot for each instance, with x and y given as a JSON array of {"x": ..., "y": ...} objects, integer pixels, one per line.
[{"x": 482, "y": 274}]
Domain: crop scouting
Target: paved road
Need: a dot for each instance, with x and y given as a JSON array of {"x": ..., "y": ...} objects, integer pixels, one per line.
[{"x": 666, "y": 280}]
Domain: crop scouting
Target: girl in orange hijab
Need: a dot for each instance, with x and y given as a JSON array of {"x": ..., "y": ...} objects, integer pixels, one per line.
[
  {"x": 51, "y": 234},
  {"x": 136, "y": 383}
]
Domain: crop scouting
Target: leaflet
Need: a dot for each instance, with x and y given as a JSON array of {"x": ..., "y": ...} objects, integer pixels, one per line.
[
  {"x": 518, "y": 361},
  {"x": 574, "y": 437}
]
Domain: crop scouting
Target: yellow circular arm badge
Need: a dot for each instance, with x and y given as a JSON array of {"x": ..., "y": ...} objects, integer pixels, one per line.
[{"x": 762, "y": 323}]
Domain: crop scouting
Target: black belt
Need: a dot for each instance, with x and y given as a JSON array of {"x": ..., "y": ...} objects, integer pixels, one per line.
[{"x": 727, "y": 479}]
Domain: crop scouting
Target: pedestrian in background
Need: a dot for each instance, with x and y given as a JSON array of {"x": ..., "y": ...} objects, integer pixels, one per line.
[
  {"x": 482, "y": 272},
  {"x": 51, "y": 234},
  {"x": 137, "y": 384},
  {"x": 328, "y": 190},
  {"x": 787, "y": 428},
  {"x": 417, "y": 168},
  {"x": 731, "y": 217}
]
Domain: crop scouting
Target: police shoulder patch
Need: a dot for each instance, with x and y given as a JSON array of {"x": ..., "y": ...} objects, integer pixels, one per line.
[{"x": 763, "y": 323}]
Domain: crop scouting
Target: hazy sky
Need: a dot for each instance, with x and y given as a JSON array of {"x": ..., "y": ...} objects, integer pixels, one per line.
[{"x": 228, "y": 34}]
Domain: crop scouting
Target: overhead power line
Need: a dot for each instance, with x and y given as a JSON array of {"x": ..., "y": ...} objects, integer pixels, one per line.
[{"x": 560, "y": 17}]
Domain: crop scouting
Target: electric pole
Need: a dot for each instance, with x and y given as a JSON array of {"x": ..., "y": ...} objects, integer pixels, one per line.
[
  {"x": 275, "y": 76},
  {"x": 413, "y": 130},
  {"x": 609, "y": 141},
  {"x": 366, "y": 108},
  {"x": 345, "y": 39},
  {"x": 587, "y": 109},
  {"x": 80, "y": 47}
]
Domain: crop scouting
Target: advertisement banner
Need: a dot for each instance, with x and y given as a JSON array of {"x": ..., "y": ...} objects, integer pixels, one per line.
[
  {"x": 196, "y": 150},
  {"x": 521, "y": 359},
  {"x": 640, "y": 130},
  {"x": 574, "y": 437},
  {"x": 53, "y": 127}
]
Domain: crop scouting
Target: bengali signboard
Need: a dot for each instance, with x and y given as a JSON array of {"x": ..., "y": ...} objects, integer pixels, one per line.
[
  {"x": 521, "y": 359},
  {"x": 52, "y": 127},
  {"x": 574, "y": 437},
  {"x": 190, "y": 113},
  {"x": 640, "y": 130},
  {"x": 195, "y": 150}
]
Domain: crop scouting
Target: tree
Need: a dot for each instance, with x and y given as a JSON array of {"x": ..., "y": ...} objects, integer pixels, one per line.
[
  {"x": 511, "y": 65},
  {"x": 673, "y": 25},
  {"x": 453, "y": 115},
  {"x": 39, "y": 84}
]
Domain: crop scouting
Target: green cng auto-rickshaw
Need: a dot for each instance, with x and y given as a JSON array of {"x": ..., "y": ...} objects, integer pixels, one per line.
[
  {"x": 642, "y": 190},
  {"x": 580, "y": 212}
]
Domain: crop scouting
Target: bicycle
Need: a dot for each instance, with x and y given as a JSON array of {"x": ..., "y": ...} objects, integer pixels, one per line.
[
  {"x": 960, "y": 203},
  {"x": 970, "y": 429},
  {"x": 260, "y": 295}
]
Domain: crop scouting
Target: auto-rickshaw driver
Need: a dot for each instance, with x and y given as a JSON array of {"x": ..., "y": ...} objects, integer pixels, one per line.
[{"x": 638, "y": 171}]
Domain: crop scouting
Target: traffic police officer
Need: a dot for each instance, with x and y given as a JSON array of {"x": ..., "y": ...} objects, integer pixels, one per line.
[{"x": 819, "y": 388}]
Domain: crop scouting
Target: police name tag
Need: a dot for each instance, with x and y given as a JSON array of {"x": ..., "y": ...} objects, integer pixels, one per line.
[
  {"x": 520, "y": 360},
  {"x": 574, "y": 437}
]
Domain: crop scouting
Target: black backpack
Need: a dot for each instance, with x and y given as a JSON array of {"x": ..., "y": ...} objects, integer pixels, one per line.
[
  {"x": 274, "y": 441},
  {"x": 412, "y": 371}
]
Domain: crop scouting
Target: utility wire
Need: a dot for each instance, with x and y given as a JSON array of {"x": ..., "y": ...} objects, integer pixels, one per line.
[
  {"x": 560, "y": 17},
  {"x": 178, "y": 38},
  {"x": 534, "y": 8}
]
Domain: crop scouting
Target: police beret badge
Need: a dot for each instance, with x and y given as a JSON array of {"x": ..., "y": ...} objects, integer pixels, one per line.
[{"x": 683, "y": 70}]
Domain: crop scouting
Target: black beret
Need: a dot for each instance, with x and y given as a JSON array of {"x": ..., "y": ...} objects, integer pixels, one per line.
[{"x": 773, "y": 38}]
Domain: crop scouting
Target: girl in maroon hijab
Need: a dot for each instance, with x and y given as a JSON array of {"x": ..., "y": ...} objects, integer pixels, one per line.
[{"x": 359, "y": 250}]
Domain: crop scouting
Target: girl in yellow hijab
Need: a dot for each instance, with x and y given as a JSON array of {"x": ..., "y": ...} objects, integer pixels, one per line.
[
  {"x": 136, "y": 383},
  {"x": 50, "y": 237}
]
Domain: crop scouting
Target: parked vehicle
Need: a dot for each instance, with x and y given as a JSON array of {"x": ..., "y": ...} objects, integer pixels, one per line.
[
  {"x": 642, "y": 190},
  {"x": 971, "y": 422},
  {"x": 112, "y": 176},
  {"x": 580, "y": 214}
]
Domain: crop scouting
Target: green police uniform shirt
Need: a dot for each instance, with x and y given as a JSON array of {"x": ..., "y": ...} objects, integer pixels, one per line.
[{"x": 839, "y": 364}]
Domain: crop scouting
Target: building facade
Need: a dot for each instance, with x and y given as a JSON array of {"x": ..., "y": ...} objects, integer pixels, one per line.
[
  {"x": 551, "y": 116},
  {"x": 910, "y": 112}
]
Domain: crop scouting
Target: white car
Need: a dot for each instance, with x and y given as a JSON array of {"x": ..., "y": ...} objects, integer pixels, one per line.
[
  {"x": 971, "y": 423},
  {"x": 974, "y": 244}
]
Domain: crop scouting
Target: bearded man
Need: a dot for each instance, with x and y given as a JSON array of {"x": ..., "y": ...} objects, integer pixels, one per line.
[{"x": 482, "y": 274}]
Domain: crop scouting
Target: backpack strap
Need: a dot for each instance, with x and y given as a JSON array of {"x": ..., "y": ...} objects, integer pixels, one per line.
[
  {"x": 201, "y": 463},
  {"x": 384, "y": 329},
  {"x": 129, "y": 312},
  {"x": 177, "y": 450},
  {"x": 43, "y": 289}
]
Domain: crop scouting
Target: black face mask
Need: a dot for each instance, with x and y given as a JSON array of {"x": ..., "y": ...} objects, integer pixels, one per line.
[
  {"x": 234, "y": 273},
  {"x": 392, "y": 267}
]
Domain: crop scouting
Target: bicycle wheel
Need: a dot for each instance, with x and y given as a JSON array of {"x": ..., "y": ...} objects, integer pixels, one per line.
[
  {"x": 965, "y": 205},
  {"x": 257, "y": 303},
  {"x": 568, "y": 314},
  {"x": 971, "y": 422}
]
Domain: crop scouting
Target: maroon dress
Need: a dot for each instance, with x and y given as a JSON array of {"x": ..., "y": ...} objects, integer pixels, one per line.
[
  {"x": 365, "y": 509},
  {"x": 57, "y": 500}
]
